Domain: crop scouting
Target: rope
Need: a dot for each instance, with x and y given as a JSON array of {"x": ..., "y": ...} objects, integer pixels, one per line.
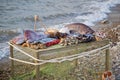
[
  {"x": 66, "y": 57},
  {"x": 52, "y": 60},
  {"x": 57, "y": 60},
  {"x": 22, "y": 61},
  {"x": 75, "y": 56},
  {"x": 35, "y": 19},
  {"x": 43, "y": 25},
  {"x": 24, "y": 52}
]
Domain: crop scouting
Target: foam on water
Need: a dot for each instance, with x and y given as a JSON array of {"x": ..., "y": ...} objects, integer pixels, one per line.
[{"x": 99, "y": 12}]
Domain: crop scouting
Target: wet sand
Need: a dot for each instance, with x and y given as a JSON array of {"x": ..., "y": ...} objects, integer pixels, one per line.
[{"x": 112, "y": 21}]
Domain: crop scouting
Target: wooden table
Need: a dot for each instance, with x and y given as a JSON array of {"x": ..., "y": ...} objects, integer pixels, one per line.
[{"x": 49, "y": 53}]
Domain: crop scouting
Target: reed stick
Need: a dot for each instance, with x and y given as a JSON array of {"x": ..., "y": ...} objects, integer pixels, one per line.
[{"x": 35, "y": 19}]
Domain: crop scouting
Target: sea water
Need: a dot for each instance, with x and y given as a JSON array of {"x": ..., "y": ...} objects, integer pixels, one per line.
[{"x": 17, "y": 15}]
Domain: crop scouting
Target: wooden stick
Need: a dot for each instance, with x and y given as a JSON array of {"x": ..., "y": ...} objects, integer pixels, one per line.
[
  {"x": 35, "y": 19},
  {"x": 37, "y": 67},
  {"x": 107, "y": 58}
]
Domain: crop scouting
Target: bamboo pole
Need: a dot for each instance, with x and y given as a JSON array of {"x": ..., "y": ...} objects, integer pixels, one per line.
[
  {"x": 35, "y": 19},
  {"x": 12, "y": 61}
]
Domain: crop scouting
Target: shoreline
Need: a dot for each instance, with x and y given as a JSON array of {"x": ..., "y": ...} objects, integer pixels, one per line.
[{"x": 113, "y": 20}]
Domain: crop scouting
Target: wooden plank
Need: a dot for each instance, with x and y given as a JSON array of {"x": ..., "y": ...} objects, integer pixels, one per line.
[{"x": 12, "y": 61}]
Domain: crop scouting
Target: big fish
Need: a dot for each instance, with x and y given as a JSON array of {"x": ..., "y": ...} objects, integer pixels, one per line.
[
  {"x": 80, "y": 28},
  {"x": 31, "y": 36}
]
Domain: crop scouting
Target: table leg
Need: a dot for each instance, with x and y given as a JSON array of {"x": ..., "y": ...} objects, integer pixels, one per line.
[
  {"x": 107, "y": 58},
  {"x": 12, "y": 61},
  {"x": 37, "y": 67}
]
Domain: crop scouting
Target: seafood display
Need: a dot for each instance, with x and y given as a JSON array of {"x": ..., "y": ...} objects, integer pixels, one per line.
[
  {"x": 34, "y": 40},
  {"x": 74, "y": 33}
]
